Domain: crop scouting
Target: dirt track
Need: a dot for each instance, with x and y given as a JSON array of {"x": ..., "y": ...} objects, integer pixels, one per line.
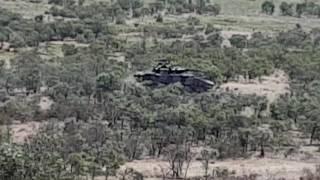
[
  {"x": 267, "y": 167},
  {"x": 270, "y": 86}
]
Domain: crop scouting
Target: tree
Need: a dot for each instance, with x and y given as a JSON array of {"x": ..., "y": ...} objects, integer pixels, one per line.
[
  {"x": 33, "y": 39},
  {"x": 177, "y": 156},
  {"x": 57, "y": 2},
  {"x": 81, "y": 2},
  {"x": 145, "y": 12},
  {"x": 69, "y": 50},
  {"x": 315, "y": 36},
  {"x": 130, "y": 5},
  {"x": 2, "y": 39},
  {"x": 159, "y": 18},
  {"x": 77, "y": 163},
  {"x": 11, "y": 163},
  {"x": 293, "y": 38},
  {"x": 308, "y": 8},
  {"x": 215, "y": 9},
  {"x": 133, "y": 146},
  {"x": 300, "y": 8},
  {"x": 263, "y": 135},
  {"x": 239, "y": 41},
  {"x": 111, "y": 161},
  {"x": 286, "y": 9},
  {"x": 28, "y": 66},
  {"x": 268, "y": 7},
  {"x": 205, "y": 158},
  {"x": 65, "y": 3},
  {"x": 39, "y": 18},
  {"x": 16, "y": 40},
  {"x": 200, "y": 4},
  {"x": 215, "y": 39},
  {"x": 312, "y": 123},
  {"x": 258, "y": 39},
  {"x": 108, "y": 81}
]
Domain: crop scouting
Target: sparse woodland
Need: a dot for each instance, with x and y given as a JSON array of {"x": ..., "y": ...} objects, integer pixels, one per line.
[{"x": 100, "y": 117}]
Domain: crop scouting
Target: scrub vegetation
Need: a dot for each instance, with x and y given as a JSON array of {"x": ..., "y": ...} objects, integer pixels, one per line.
[{"x": 71, "y": 108}]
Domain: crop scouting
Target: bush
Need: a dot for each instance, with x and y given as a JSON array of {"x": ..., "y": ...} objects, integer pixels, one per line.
[
  {"x": 137, "y": 13},
  {"x": 193, "y": 21},
  {"x": 268, "y": 7},
  {"x": 259, "y": 40},
  {"x": 67, "y": 3},
  {"x": 215, "y": 39},
  {"x": 16, "y": 41},
  {"x": 39, "y": 18},
  {"x": 62, "y": 12},
  {"x": 56, "y": 2},
  {"x": 315, "y": 36},
  {"x": 309, "y": 8},
  {"x": 286, "y": 9},
  {"x": 214, "y": 9},
  {"x": 125, "y": 4},
  {"x": 120, "y": 20},
  {"x": 69, "y": 50},
  {"x": 159, "y": 19},
  {"x": 300, "y": 9},
  {"x": 238, "y": 40},
  {"x": 292, "y": 38},
  {"x": 35, "y": 1},
  {"x": 210, "y": 29}
]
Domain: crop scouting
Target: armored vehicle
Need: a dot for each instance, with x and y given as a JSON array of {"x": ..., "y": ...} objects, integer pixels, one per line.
[{"x": 165, "y": 73}]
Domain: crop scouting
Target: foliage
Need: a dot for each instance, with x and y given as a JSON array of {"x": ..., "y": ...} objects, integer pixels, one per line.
[
  {"x": 293, "y": 38},
  {"x": 239, "y": 41},
  {"x": 308, "y": 8},
  {"x": 268, "y": 7},
  {"x": 128, "y": 4},
  {"x": 286, "y": 9},
  {"x": 101, "y": 117}
]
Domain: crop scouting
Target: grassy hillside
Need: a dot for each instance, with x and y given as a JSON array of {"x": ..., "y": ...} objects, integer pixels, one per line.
[
  {"x": 84, "y": 95},
  {"x": 247, "y": 7}
]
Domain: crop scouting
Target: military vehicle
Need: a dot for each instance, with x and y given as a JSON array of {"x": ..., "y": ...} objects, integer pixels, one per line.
[{"x": 165, "y": 73}]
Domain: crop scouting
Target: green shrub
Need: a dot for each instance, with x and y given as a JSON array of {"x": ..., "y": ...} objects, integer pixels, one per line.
[
  {"x": 286, "y": 9},
  {"x": 268, "y": 7}
]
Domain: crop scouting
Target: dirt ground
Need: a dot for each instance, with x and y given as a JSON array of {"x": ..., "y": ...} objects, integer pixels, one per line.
[
  {"x": 268, "y": 168},
  {"x": 270, "y": 86},
  {"x": 271, "y": 166},
  {"x": 21, "y": 131},
  {"x": 45, "y": 103}
]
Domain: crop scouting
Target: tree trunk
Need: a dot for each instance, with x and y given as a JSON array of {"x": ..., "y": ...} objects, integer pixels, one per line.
[
  {"x": 93, "y": 175},
  {"x": 262, "y": 150},
  {"x": 312, "y": 134},
  {"x": 7, "y": 86},
  {"x": 159, "y": 150},
  {"x": 131, "y": 10},
  {"x": 106, "y": 175},
  {"x": 187, "y": 168}
]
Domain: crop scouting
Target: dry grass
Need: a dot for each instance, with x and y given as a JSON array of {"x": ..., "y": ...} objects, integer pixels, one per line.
[
  {"x": 24, "y": 7},
  {"x": 271, "y": 24},
  {"x": 21, "y": 131},
  {"x": 266, "y": 167},
  {"x": 53, "y": 49},
  {"x": 60, "y": 43},
  {"x": 246, "y": 7},
  {"x": 45, "y": 103},
  {"x": 6, "y": 56},
  {"x": 270, "y": 86}
]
